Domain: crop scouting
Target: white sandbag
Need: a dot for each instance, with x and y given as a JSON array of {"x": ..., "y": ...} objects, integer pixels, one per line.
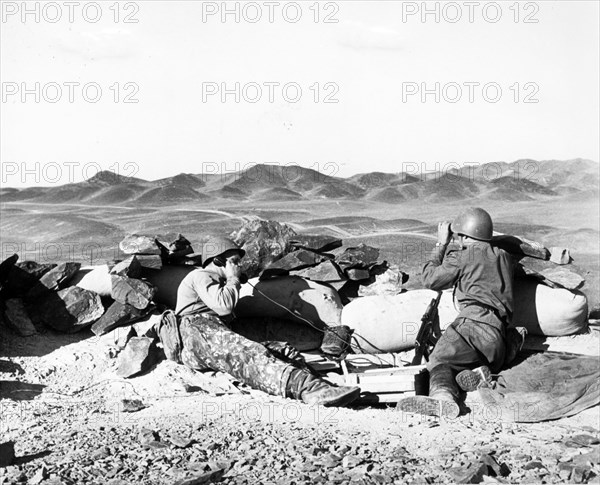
[
  {"x": 167, "y": 281},
  {"x": 93, "y": 278},
  {"x": 313, "y": 301},
  {"x": 387, "y": 323},
  {"x": 549, "y": 311}
]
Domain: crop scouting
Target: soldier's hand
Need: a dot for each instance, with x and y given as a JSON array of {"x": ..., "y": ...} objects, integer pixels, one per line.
[
  {"x": 444, "y": 233},
  {"x": 232, "y": 270}
]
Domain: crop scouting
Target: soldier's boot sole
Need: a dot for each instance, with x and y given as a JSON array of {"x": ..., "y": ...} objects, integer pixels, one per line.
[
  {"x": 332, "y": 396},
  {"x": 429, "y": 406},
  {"x": 471, "y": 380}
]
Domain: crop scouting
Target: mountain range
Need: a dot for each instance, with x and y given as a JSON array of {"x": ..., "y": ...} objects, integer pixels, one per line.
[{"x": 521, "y": 180}]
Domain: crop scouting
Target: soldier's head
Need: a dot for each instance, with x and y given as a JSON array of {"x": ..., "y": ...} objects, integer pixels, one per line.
[
  {"x": 219, "y": 250},
  {"x": 473, "y": 223}
]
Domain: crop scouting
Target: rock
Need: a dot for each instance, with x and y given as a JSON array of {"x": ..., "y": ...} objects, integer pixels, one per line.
[
  {"x": 139, "y": 355},
  {"x": 213, "y": 476},
  {"x": 55, "y": 279},
  {"x": 472, "y": 473},
  {"x": 495, "y": 469},
  {"x": 357, "y": 274},
  {"x": 388, "y": 282},
  {"x": 264, "y": 242},
  {"x": 563, "y": 278},
  {"x": 69, "y": 310},
  {"x": 579, "y": 474},
  {"x": 361, "y": 256},
  {"x": 132, "y": 405},
  {"x": 17, "y": 317},
  {"x": 23, "y": 276},
  {"x": 39, "y": 476},
  {"x": 560, "y": 255},
  {"x": 7, "y": 453},
  {"x": 520, "y": 246},
  {"x": 136, "y": 293},
  {"x": 585, "y": 439},
  {"x": 327, "y": 271},
  {"x": 587, "y": 459},
  {"x": 565, "y": 470},
  {"x": 135, "y": 244},
  {"x": 5, "y": 268},
  {"x": 316, "y": 242},
  {"x": 118, "y": 315},
  {"x": 118, "y": 337},
  {"x": 149, "y": 261},
  {"x": 180, "y": 442},
  {"x": 533, "y": 465},
  {"x": 297, "y": 260},
  {"x": 130, "y": 267}
]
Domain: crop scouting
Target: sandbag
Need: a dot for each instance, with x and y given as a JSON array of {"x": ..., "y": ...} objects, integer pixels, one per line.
[
  {"x": 94, "y": 278},
  {"x": 390, "y": 323},
  {"x": 167, "y": 281},
  {"x": 274, "y": 297},
  {"x": 552, "y": 312}
]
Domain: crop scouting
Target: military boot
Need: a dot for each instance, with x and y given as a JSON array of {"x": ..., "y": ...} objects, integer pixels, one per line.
[
  {"x": 471, "y": 380},
  {"x": 443, "y": 396},
  {"x": 314, "y": 390}
]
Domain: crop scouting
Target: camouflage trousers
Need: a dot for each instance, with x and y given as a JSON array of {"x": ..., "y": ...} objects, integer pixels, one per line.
[{"x": 209, "y": 344}]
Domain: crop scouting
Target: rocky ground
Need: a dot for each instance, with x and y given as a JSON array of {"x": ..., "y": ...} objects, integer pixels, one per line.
[{"x": 73, "y": 421}]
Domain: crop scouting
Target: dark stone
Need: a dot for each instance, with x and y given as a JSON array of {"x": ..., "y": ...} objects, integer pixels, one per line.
[
  {"x": 361, "y": 256},
  {"x": 316, "y": 242},
  {"x": 563, "y": 278},
  {"x": 327, "y": 271},
  {"x": 358, "y": 274},
  {"x": 298, "y": 260},
  {"x": 17, "y": 317},
  {"x": 7, "y": 453},
  {"x": 5, "y": 268},
  {"x": 23, "y": 276},
  {"x": 533, "y": 465},
  {"x": 55, "y": 279},
  {"x": 585, "y": 439},
  {"x": 68, "y": 310},
  {"x": 118, "y": 315},
  {"x": 472, "y": 473},
  {"x": 520, "y": 246},
  {"x": 132, "y": 405},
  {"x": 131, "y": 267},
  {"x": 264, "y": 242},
  {"x": 135, "y": 292},
  {"x": 149, "y": 261},
  {"x": 135, "y": 244},
  {"x": 140, "y": 354}
]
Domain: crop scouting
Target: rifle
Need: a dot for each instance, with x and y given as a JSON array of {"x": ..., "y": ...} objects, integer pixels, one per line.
[{"x": 426, "y": 340}]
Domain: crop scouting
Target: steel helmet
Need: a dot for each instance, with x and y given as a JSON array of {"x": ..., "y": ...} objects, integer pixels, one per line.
[
  {"x": 216, "y": 246},
  {"x": 474, "y": 222}
]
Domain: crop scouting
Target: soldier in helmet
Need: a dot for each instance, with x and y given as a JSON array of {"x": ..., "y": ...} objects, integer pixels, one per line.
[
  {"x": 206, "y": 299},
  {"x": 474, "y": 345}
]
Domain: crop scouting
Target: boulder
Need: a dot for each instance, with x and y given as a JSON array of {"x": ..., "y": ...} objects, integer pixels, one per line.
[
  {"x": 136, "y": 244},
  {"x": 17, "y": 317},
  {"x": 316, "y": 242},
  {"x": 136, "y": 293},
  {"x": 264, "y": 242},
  {"x": 118, "y": 315},
  {"x": 357, "y": 274},
  {"x": 140, "y": 354},
  {"x": 149, "y": 261},
  {"x": 131, "y": 267},
  {"x": 563, "y": 278},
  {"x": 298, "y": 260},
  {"x": 520, "y": 246},
  {"x": 277, "y": 297},
  {"x": 327, "y": 271},
  {"x": 5, "y": 268},
  {"x": 362, "y": 256},
  {"x": 55, "y": 279},
  {"x": 387, "y": 282},
  {"x": 7, "y": 453},
  {"x": 68, "y": 310},
  {"x": 23, "y": 276}
]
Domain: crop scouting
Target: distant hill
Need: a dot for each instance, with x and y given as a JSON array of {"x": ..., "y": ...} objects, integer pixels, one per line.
[{"x": 521, "y": 180}]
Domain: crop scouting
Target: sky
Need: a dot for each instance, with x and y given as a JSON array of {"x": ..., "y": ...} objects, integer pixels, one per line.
[{"x": 155, "y": 88}]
